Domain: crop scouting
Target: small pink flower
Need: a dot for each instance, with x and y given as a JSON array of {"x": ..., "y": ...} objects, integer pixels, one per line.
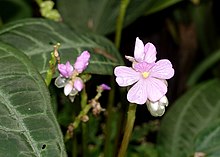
[
  {"x": 66, "y": 70},
  {"x": 147, "y": 76},
  {"x": 78, "y": 84},
  {"x": 82, "y": 61},
  {"x": 105, "y": 87}
]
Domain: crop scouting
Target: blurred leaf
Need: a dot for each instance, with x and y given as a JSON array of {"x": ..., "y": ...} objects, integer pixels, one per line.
[
  {"x": 28, "y": 126},
  {"x": 142, "y": 131},
  {"x": 144, "y": 149},
  {"x": 100, "y": 15},
  {"x": 14, "y": 9},
  {"x": 208, "y": 141},
  {"x": 202, "y": 16},
  {"x": 193, "y": 112},
  {"x": 157, "y": 5},
  {"x": 36, "y": 37}
]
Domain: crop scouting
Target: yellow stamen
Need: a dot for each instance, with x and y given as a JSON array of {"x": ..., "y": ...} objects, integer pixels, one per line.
[{"x": 145, "y": 74}]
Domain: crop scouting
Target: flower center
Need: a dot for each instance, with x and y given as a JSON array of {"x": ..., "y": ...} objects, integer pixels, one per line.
[{"x": 145, "y": 74}]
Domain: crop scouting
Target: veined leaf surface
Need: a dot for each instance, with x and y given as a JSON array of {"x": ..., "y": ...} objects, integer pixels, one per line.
[
  {"x": 100, "y": 16},
  {"x": 28, "y": 127},
  {"x": 192, "y": 113},
  {"x": 36, "y": 37}
]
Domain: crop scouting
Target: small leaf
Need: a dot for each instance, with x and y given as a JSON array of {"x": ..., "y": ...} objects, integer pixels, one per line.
[
  {"x": 28, "y": 127},
  {"x": 208, "y": 141},
  {"x": 36, "y": 37},
  {"x": 100, "y": 16},
  {"x": 193, "y": 112}
]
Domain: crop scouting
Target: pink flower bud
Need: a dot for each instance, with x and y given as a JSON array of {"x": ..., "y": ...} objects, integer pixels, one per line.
[
  {"x": 82, "y": 61},
  {"x": 66, "y": 70},
  {"x": 105, "y": 87},
  {"x": 78, "y": 84}
]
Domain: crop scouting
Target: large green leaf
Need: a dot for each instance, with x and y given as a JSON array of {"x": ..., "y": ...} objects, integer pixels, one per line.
[
  {"x": 193, "y": 112},
  {"x": 208, "y": 141},
  {"x": 28, "y": 127},
  {"x": 35, "y": 37},
  {"x": 100, "y": 15}
]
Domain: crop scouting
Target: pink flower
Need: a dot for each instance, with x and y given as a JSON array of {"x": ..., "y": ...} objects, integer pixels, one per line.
[
  {"x": 82, "y": 61},
  {"x": 77, "y": 85},
  {"x": 147, "y": 76},
  {"x": 105, "y": 87},
  {"x": 66, "y": 70}
]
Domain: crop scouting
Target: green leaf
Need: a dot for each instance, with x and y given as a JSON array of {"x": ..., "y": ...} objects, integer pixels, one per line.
[
  {"x": 158, "y": 5},
  {"x": 28, "y": 127},
  {"x": 100, "y": 15},
  {"x": 36, "y": 37},
  {"x": 208, "y": 141},
  {"x": 193, "y": 112},
  {"x": 13, "y": 10}
]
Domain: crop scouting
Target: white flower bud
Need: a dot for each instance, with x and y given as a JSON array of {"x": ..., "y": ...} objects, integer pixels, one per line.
[
  {"x": 163, "y": 101},
  {"x": 60, "y": 82},
  {"x": 157, "y": 108}
]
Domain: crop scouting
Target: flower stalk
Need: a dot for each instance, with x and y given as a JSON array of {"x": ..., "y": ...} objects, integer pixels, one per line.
[
  {"x": 120, "y": 21},
  {"x": 93, "y": 103},
  {"x": 128, "y": 129},
  {"x": 52, "y": 64}
]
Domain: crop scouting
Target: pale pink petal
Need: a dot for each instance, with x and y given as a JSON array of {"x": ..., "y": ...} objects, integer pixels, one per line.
[
  {"x": 156, "y": 89},
  {"x": 82, "y": 61},
  {"x": 67, "y": 89},
  {"x": 139, "y": 50},
  {"x": 162, "y": 69},
  {"x": 126, "y": 76},
  {"x": 150, "y": 53},
  {"x": 138, "y": 93},
  {"x": 78, "y": 84}
]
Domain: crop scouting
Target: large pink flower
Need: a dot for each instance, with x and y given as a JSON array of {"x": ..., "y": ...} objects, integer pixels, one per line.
[{"x": 149, "y": 77}]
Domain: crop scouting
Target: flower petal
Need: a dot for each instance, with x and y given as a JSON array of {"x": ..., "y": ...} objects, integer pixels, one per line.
[
  {"x": 139, "y": 50},
  {"x": 150, "y": 53},
  {"x": 126, "y": 76},
  {"x": 67, "y": 89},
  {"x": 82, "y": 61},
  {"x": 156, "y": 89},
  {"x": 138, "y": 93},
  {"x": 162, "y": 69},
  {"x": 78, "y": 84}
]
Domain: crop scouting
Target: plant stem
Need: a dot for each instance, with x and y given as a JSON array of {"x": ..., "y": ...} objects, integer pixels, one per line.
[
  {"x": 84, "y": 98},
  {"x": 74, "y": 151},
  {"x": 203, "y": 67},
  {"x": 108, "y": 129},
  {"x": 128, "y": 129},
  {"x": 120, "y": 21}
]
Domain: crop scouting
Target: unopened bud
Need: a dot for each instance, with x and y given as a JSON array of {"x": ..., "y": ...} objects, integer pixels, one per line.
[
  {"x": 60, "y": 82},
  {"x": 157, "y": 108},
  {"x": 85, "y": 118}
]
